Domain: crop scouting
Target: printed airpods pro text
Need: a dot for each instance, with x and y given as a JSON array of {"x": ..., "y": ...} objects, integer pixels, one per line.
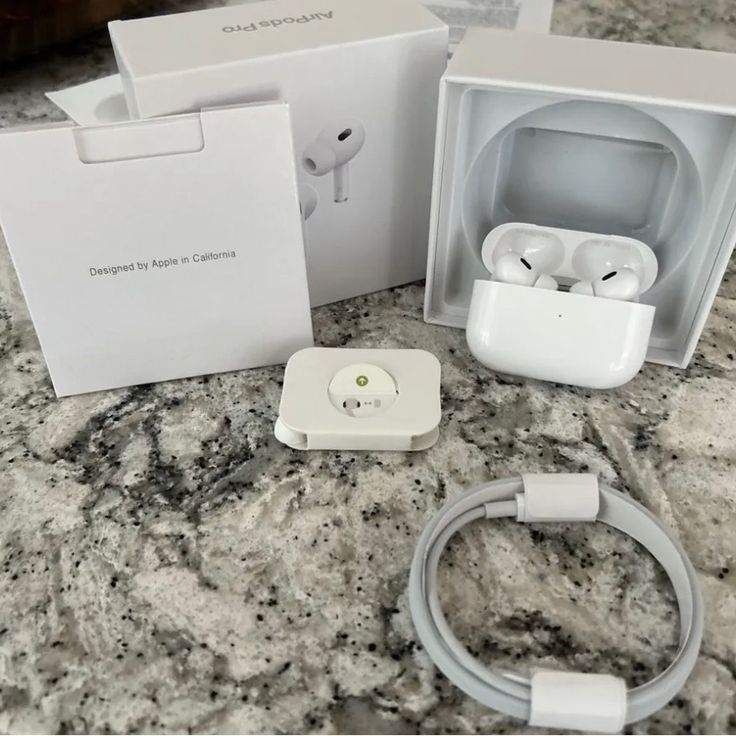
[{"x": 276, "y": 22}]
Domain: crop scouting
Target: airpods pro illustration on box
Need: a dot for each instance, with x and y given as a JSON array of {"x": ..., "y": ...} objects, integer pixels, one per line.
[{"x": 332, "y": 150}]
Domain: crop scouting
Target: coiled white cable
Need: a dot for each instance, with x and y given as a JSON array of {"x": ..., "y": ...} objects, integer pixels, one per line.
[{"x": 556, "y": 497}]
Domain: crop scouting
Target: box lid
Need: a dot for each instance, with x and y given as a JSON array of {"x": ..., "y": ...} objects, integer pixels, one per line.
[
  {"x": 171, "y": 43},
  {"x": 599, "y": 69},
  {"x": 158, "y": 249}
]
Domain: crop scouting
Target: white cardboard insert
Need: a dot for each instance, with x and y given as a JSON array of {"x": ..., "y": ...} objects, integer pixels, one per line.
[
  {"x": 158, "y": 249},
  {"x": 614, "y": 138}
]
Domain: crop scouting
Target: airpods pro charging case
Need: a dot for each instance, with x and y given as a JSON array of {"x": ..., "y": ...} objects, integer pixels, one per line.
[{"x": 558, "y": 336}]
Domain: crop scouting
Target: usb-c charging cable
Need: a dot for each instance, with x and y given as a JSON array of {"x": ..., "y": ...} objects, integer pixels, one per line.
[{"x": 587, "y": 702}]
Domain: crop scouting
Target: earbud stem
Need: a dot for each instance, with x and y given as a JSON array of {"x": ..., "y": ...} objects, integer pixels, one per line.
[{"x": 341, "y": 176}]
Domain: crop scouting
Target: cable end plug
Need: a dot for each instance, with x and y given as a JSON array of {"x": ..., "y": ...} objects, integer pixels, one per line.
[
  {"x": 575, "y": 700},
  {"x": 558, "y": 497}
]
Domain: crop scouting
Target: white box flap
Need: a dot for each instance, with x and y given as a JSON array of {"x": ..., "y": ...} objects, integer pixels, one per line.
[
  {"x": 158, "y": 249},
  {"x": 93, "y": 103},
  {"x": 612, "y": 69}
]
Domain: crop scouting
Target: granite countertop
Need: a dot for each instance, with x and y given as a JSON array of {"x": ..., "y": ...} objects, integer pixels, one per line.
[{"x": 168, "y": 566}]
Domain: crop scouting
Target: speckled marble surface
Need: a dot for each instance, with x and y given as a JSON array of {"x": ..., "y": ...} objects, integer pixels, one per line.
[{"x": 167, "y": 566}]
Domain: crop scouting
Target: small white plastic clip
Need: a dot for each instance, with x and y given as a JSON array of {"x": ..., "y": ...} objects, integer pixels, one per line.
[
  {"x": 578, "y": 701},
  {"x": 558, "y": 497}
]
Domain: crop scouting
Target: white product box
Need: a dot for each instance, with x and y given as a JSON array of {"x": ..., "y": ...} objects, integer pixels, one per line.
[
  {"x": 361, "y": 79},
  {"x": 158, "y": 249},
  {"x": 597, "y": 136}
]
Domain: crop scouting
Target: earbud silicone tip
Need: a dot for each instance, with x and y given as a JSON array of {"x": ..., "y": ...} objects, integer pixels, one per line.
[
  {"x": 319, "y": 158},
  {"x": 545, "y": 281},
  {"x": 307, "y": 200},
  {"x": 582, "y": 287}
]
